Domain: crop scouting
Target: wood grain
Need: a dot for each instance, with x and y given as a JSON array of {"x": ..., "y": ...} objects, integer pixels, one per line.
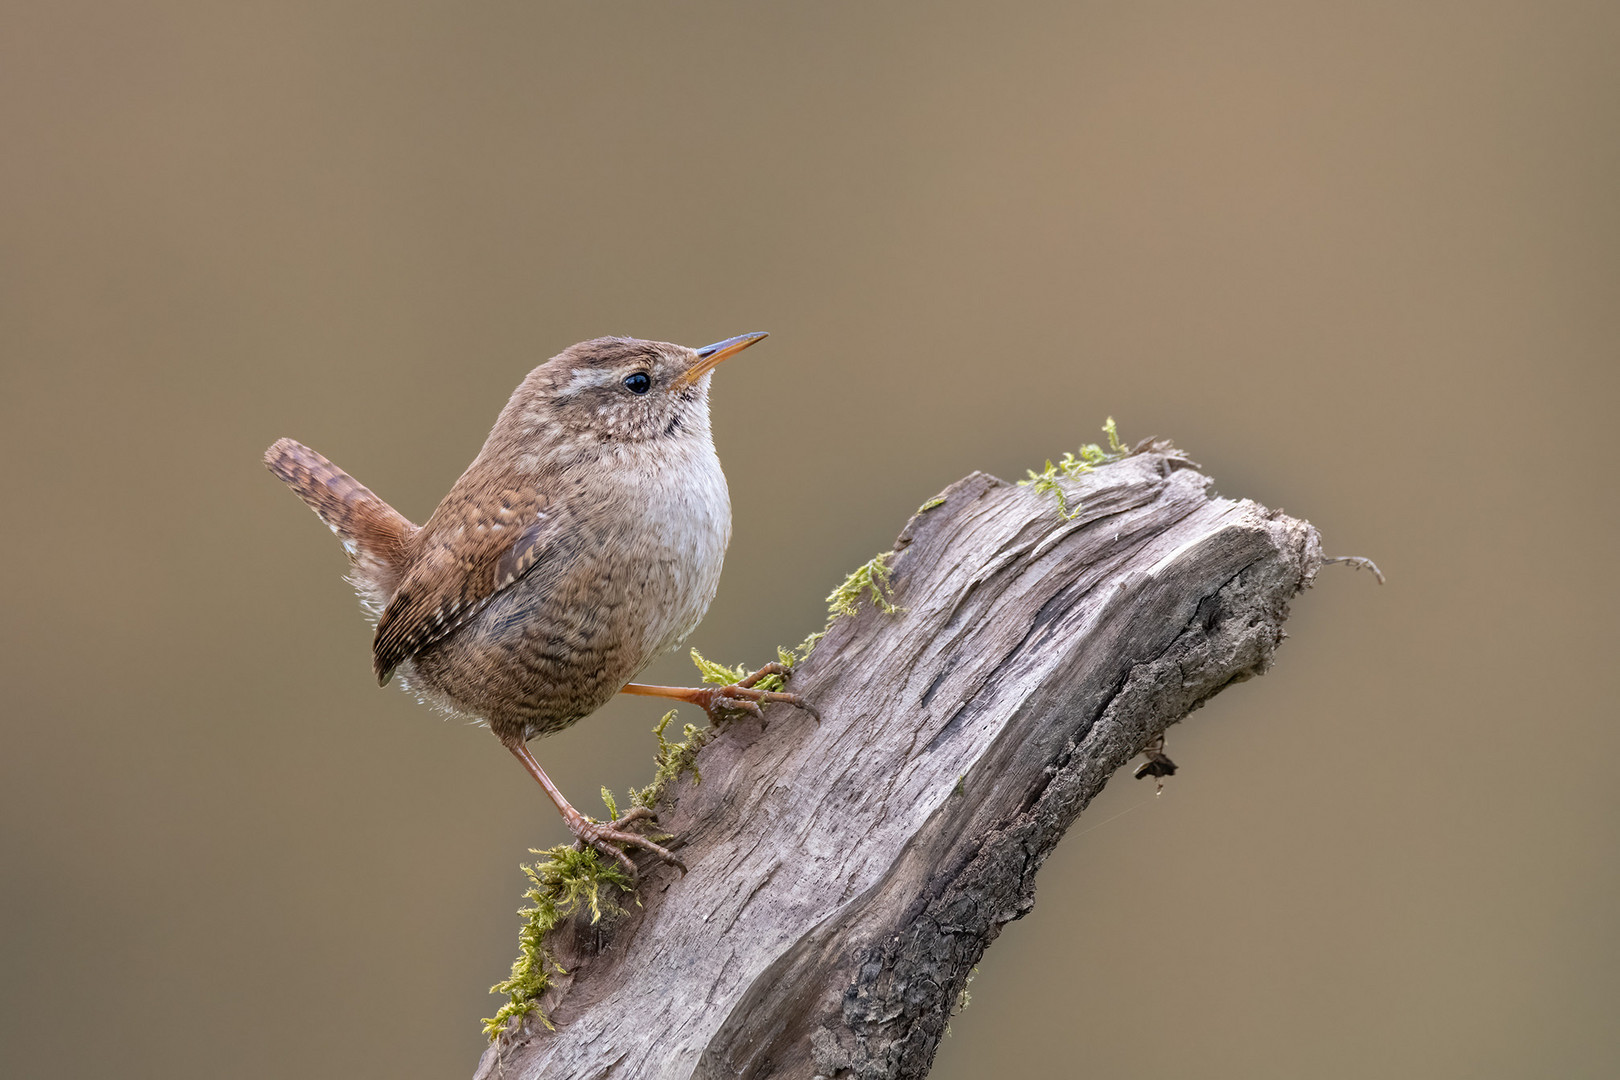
[{"x": 846, "y": 877}]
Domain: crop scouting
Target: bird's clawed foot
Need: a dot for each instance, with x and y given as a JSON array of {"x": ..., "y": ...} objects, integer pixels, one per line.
[
  {"x": 609, "y": 837},
  {"x": 721, "y": 701},
  {"x": 612, "y": 837}
]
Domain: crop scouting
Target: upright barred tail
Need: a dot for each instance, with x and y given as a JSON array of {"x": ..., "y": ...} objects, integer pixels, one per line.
[{"x": 376, "y": 536}]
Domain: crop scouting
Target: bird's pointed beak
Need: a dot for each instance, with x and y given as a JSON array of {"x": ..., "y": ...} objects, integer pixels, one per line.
[{"x": 711, "y": 355}]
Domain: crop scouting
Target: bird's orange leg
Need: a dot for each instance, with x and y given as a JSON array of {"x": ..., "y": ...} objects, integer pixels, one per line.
[
  {"x": 733, "y": 697},
  {"x": 604, "y": 837}
]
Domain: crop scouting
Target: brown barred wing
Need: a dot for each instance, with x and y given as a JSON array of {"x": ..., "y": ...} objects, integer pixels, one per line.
[{"x": 494, "y": 541}]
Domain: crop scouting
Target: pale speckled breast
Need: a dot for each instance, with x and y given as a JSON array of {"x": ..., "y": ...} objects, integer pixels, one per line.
[{"x": 629, "y": 576}]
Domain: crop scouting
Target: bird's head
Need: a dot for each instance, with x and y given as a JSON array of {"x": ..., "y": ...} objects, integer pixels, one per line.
[{"x": 622, "y": 390}]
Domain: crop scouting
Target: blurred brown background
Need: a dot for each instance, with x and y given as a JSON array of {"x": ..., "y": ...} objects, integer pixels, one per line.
[{"x": 1358, "y": 259}]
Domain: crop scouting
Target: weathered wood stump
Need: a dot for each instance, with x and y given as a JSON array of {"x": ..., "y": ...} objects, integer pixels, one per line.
[{"x": 846, "y": 877}]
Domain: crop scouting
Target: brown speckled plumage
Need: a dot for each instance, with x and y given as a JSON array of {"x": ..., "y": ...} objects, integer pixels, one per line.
[{"x": 583, "y": 542}]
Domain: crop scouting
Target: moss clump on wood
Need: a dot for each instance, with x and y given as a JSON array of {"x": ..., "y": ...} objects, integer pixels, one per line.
[
  {"x": 561, "y": 883},
  {"x": 673, "y": 758},
  {"x": 1071, "y": 467},
  {"x": 868, "y": 581}
]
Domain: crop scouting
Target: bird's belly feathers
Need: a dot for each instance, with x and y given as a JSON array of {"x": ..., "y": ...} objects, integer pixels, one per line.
[
  {"x": 689, "y": 527},
  {"x": 625, "y": 587}
]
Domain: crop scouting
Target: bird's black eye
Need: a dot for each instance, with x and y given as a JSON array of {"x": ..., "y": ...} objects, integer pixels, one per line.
[{"x": 639, "y": 383}]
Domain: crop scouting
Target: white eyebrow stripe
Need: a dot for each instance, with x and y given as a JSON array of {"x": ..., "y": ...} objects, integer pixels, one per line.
[{"x": 584, "y": 378}]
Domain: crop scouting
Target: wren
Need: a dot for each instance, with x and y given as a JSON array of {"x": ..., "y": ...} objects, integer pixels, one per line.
[{"x": 583, "y": 542}]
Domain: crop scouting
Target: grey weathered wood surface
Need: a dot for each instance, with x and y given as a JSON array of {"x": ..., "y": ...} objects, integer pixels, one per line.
[{"x": 845, "y": 877}]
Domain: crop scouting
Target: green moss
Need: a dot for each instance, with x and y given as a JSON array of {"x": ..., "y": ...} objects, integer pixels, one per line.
[
  {"x": 673, "y": 759},
  {"x": 868, "y": 581},
  {"x": 712, "y": 672},
  {"x": 721, "y": 675},
  {"x": 1072, "y": 467},
  {"x": 561, "y": 883}
]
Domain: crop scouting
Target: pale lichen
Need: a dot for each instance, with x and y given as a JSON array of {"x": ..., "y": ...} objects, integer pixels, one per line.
[
  {"x": 1072, "y": 467},
  {"x": 963, "y": 997}
]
